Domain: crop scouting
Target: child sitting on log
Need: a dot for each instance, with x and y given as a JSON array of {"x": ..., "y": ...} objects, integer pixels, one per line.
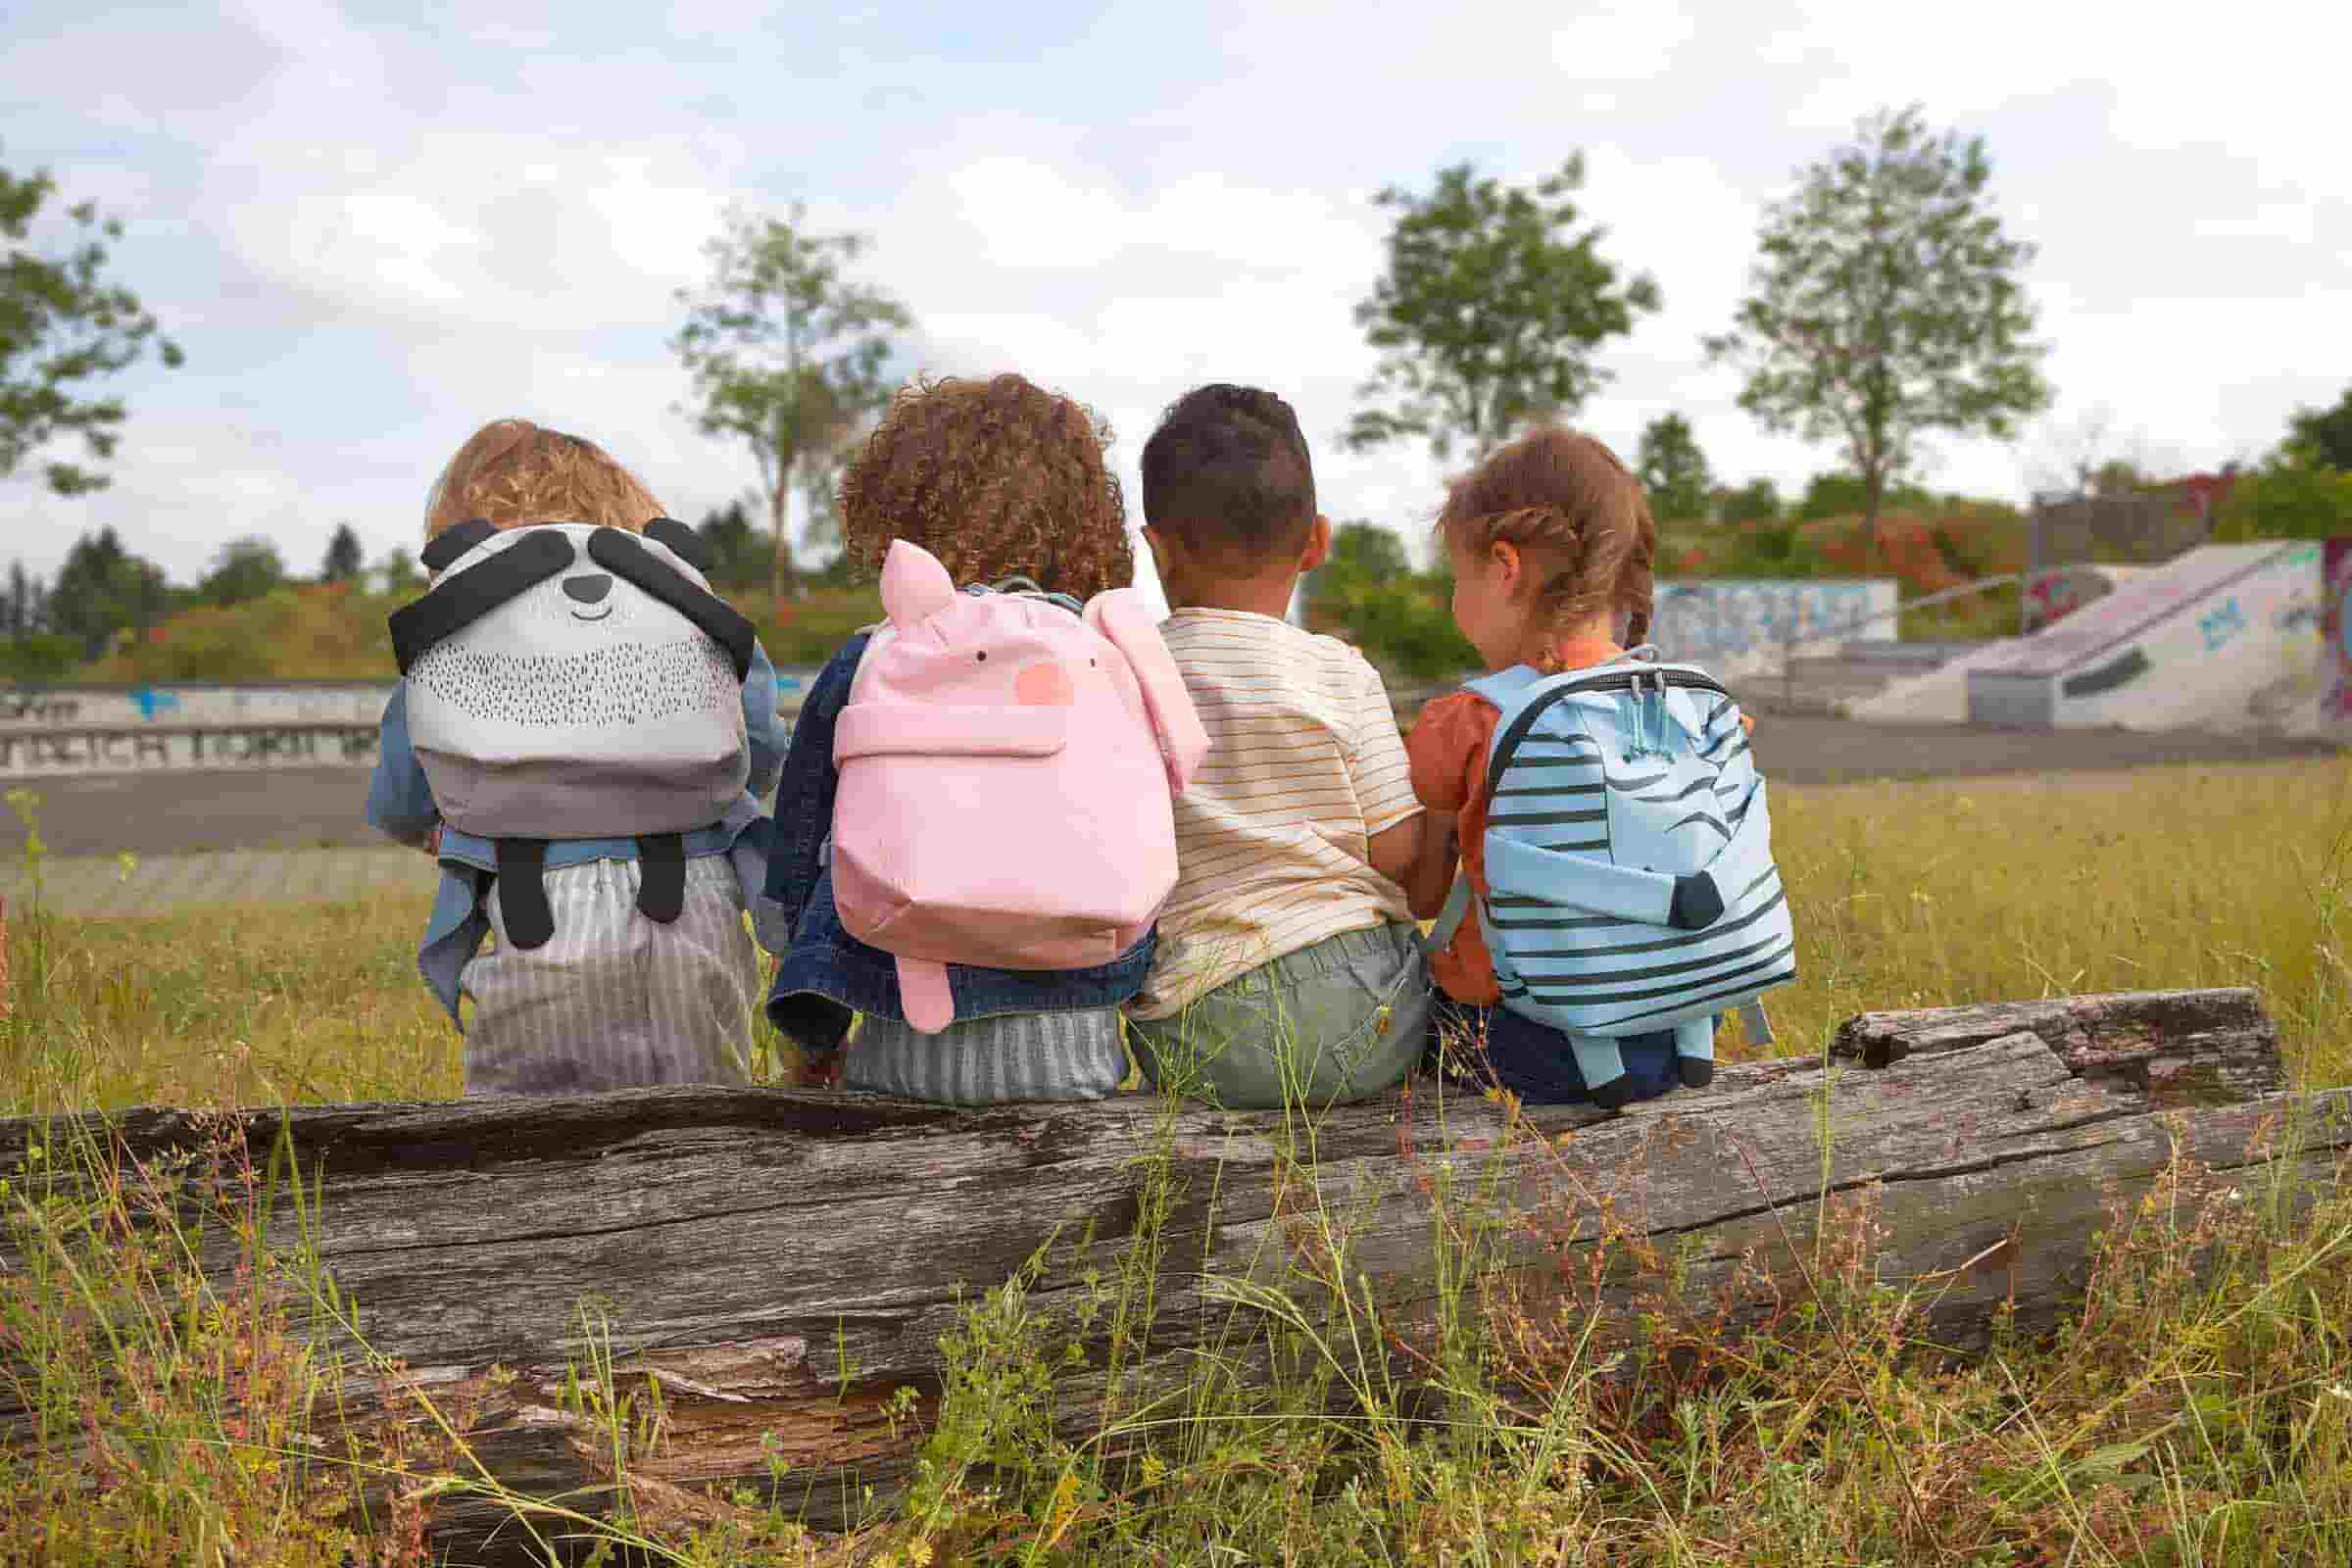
[
  {"x": 580, "y": 736},
  {"x": 974, "y": 828},
  {"x": 1609, "y": 823},
  {"x": 1287, "y": 965}
]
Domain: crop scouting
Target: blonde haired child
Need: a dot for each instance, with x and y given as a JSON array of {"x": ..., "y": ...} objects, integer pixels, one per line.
[{"x": 611, "y": 998}]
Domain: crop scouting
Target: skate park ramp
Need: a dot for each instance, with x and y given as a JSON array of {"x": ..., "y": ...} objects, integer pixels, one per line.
[{"x": 2224, "y": 637}]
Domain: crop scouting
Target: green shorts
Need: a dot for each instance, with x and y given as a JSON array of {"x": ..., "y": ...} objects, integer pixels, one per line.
[{"x": 1341, "y": 1019}]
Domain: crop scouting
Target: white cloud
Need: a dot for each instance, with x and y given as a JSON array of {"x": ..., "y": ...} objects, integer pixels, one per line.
[{"x": 369, "y": 239}]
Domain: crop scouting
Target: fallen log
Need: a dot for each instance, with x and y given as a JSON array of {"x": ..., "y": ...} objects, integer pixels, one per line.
[{"x": 781, "y": 1264}]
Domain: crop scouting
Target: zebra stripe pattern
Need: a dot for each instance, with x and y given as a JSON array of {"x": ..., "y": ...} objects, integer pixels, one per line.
[{"x": 1594, "y": 821}]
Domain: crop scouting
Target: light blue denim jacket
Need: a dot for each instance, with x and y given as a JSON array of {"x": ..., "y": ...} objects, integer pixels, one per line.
[{"x": 400, "y": 804}]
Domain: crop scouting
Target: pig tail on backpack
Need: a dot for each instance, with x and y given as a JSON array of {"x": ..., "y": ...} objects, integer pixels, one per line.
[{"x": 1566, "y": 502}]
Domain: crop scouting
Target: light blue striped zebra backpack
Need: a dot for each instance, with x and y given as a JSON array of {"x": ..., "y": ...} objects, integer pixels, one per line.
[{"x": 1629, "y": 863}]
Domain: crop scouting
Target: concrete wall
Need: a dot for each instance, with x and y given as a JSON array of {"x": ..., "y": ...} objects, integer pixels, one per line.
[
  {"x": 63, "y": 731},
  {"x": 1738, "y": 628}
]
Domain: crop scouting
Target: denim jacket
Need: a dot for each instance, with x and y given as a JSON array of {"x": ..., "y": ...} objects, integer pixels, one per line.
[
  {"x": 827, "y": 974},
  {"x": 400, "y": 804}
]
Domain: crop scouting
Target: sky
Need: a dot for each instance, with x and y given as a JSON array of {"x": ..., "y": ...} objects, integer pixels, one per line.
[{"x": 372, "y": 227}]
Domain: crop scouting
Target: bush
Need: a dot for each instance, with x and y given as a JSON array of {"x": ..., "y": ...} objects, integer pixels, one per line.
[
  {"x": 40, "y": 656},
  {"x": 2285, "y": 501}
]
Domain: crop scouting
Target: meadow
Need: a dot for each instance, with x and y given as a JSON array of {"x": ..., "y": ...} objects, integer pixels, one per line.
[{"x": 2199, "y": 1411}]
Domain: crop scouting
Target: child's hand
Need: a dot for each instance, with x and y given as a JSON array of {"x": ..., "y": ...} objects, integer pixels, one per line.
[
  {"x": 1746, "y": 724},
  {"x": 432, "y": 840}
]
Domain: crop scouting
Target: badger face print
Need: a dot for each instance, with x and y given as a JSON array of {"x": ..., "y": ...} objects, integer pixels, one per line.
[{"x": 571, "y": 681}]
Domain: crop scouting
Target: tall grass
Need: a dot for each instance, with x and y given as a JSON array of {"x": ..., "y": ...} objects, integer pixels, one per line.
[{"x": 2196, "y": 1410}]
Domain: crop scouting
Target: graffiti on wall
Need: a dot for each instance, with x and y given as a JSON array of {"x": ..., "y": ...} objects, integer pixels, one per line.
[
  {"x": 2335, "y": 631},
  {"x": 1750, "y": 622}
]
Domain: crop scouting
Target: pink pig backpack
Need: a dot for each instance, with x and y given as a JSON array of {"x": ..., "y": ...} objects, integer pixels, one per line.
[{"x": 1005, "y": 773}]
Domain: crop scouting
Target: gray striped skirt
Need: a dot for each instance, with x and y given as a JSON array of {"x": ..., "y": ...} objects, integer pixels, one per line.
[
  {"x": 991, "y": 1062},
  {"x": 614, "y": 1000}
]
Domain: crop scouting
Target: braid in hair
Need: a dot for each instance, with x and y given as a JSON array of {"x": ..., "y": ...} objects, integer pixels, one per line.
[{"x": 1568, "y": 503}]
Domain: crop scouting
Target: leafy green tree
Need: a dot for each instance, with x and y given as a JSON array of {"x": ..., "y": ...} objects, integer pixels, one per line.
[
  {"x": 2321, "y": 438},
  {"x": 102, "y": 589},
  {"x": 399, "y": 573},
  {"x": 62, "y": 324},
  {"x": 344, "y": 558},
  {"x": 1490, "y": 312},
  {"x": 1758, "y": 498},
  {"x": 736, "y": 547},
  {"x": 1673, "y": 471},
  {"x": 242, "y": 570},
  {"x": 1366, "y": 552},
  {"x": 1886, "y": 304},
  {"x": 1842, "y": 495},
  {"x": 23, "y": 607},
  {"x": 786, "y": 356}
]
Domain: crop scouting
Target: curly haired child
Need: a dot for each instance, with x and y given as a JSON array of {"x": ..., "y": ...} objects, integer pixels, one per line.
[
  {"x": 611, "y": 999},
  {"x": 1006, "y": 484},
  {"x": 1550, "y": 543}
]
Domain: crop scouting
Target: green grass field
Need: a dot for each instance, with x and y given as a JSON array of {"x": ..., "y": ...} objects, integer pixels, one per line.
[{"x": 2192, "y": 1415}]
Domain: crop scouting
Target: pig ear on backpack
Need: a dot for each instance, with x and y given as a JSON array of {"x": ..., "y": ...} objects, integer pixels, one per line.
[
  {"x": 680, "y": 541},
  {"x": 442, "y": 551},
  {"x": 915, "y": 585},
  {"x": 1121, "y": 616}
]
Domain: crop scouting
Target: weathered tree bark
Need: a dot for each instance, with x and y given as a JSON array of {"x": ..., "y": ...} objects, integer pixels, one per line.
[{"x": 782, "y": 1263}]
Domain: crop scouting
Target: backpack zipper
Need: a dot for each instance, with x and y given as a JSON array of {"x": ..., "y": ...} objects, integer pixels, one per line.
[{"x": 1606, "y": 681}]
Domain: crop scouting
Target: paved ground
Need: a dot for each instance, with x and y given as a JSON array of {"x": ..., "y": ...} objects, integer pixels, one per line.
[{"x": 211, "y": 838}]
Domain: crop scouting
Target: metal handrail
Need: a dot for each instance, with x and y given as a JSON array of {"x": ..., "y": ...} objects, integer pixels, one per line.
[{"x": 1943, "y": 595}]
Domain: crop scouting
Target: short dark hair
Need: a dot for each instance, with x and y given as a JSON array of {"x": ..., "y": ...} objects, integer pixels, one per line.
[{"x": 1227, "y": 472}]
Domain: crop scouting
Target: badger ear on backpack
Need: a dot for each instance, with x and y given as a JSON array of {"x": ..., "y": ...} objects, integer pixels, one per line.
[
  {"x": 441, "y": 552},
  {"x": 680, "y": 541},
  {"x": 915, "y": 585}
]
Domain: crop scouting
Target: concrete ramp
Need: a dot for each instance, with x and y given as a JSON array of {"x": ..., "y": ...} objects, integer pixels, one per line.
[{"x": 2225, "y": 637}]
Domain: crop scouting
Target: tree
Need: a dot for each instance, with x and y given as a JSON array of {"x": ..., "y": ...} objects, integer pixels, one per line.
[
  {"x": 399, "y": 574},
  {"x": 101, "y": 589},
  {"x": 1886, "y": 305},
  {"x": 1673, "y": 471},
  {"x": 1842, "y": 495},
  {"x": 1489, "y": 313},
  {"x": 22, "y": 607},
  {"x": 343, "y": 557},
  {"x": 734, "y": 544},
  {"x": 242, "y": 570},
  {"x": 786, "y": 356},
  {"x": 2321, "y": 438},
  {"x": 61, "y": 325},
  {"x": 1756, "y": 500},
  {"x": 1366, "y": 552}
]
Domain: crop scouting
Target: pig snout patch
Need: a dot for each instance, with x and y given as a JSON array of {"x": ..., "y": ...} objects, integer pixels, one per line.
[{"x": 1044, "y": 684}]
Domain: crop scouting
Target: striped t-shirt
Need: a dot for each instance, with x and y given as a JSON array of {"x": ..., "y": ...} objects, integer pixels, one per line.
[{"x": 1305, "y": 767}]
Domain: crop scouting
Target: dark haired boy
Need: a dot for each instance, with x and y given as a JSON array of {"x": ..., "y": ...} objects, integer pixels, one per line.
[{"x": 1287, "y": 965}]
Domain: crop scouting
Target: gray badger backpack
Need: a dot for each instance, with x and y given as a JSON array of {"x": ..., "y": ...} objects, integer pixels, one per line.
[
  {"x": 566, "y": 681},
  {"x": 1631, "y": 884}
]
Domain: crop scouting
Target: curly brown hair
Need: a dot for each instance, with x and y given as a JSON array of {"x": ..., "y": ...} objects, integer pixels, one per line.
[
  {"x": 512, "y": 471},
  {"x": 1569, "y": 502},
  {"x": 997, "y": 478}
]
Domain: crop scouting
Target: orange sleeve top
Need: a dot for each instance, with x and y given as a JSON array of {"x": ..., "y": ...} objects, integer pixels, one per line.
[{"x": 1448, "y": 751}]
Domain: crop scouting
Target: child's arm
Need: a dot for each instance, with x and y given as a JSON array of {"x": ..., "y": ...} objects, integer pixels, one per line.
[
  {"x": 760, "y": 724},
  {"x": 400, "y": 802},
  {"x": 1446, "y": 749},
  {"x": 1382, "y": 775},
  {"x": 1430, "y": 876}
]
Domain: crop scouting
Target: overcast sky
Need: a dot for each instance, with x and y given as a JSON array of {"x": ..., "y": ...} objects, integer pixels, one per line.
[{"x": 374, "y": 227}]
